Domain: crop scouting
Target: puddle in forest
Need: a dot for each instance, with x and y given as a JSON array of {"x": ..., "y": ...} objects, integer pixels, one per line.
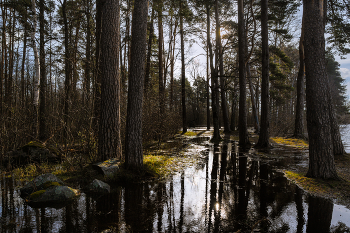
[{"x": 225, "y": 192}]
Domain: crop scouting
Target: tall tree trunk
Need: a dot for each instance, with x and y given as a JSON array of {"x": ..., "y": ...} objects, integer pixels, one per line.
[
  {"x": 321, "y": 153},
  {"x": 67, "y": 71},
  {"x": 42, "y": 103},
  {"x": 252, "y": 98},
  {"x": 97, "y": 73},
  {"x": 133, "y": 139},
  {"x": 109, "y": 143},
  {"x": 183, "y": 78},
  {"x": 214, "y": 78},
  {"x": 220, "y": 59},
  {"x": 299, "y": 114},
  {"x": 264, "y": 135},
  {"x": 23, "y": 65},
  {"x": 149, "y": 52},
  {"x": 37, "y": 69},
  {"x": 88, "y": 62},
  {"x": 207, "y": 88},
  {"x": 3, "y": 52},
  {"x": 243, "y": 133},
  {"x": 160, "y": 67}
]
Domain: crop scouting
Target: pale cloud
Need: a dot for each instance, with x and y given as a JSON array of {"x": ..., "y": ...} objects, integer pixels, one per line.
[{"x": 345, "y": 73}]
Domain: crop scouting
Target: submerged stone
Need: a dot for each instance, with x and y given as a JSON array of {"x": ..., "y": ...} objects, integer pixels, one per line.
[
  {"x": 40, "y": 183},
  {"x": 108, "y": 168},
  {"x": 98, "y": 186}
]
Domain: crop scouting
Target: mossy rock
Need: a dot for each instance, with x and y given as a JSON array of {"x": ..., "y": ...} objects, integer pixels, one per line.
[
  {"x": 36, "y": 194},
  {"x": 40, "y": 183},
  {"x": 55, "y": 196}
]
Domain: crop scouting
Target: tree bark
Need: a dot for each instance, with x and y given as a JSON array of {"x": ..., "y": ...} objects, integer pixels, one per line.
[
  {"x": 160, "y": 65},
  {"x": 183, "y": 77},
  {"x": 252, "y": 98},
  {"x": 37, "y": 68},
  {"x": 299, "y": 114},
  {"x": 67, "y": 70},
  {"x": 149, "y": 53},
  {"x": 42, "y": 103},
  {"x": 109, "y": 143},
  {"x": 133, "y": 139},
  {"x": 264, "y": 135},
  {"x": 220, "y": 59},
  {"x": 321, "y": 153},
  {"x": 214, "y": 80},
  {"x": 243, "y": 133}
]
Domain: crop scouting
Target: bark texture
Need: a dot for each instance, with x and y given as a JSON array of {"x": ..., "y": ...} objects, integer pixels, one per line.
[
  {"x": 321, "y": 154},
  {"x": 109, "y": 128},
  {"x": 133, "y": 139},
  {"x": 183, "y": 77},
  {"x": 264, "y": 135},
  {"x": 299, "y": 114},
  {"x": 243, "y": 133}
]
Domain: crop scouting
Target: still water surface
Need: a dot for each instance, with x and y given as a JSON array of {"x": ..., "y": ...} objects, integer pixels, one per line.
[{"x": 225, "y": 192}]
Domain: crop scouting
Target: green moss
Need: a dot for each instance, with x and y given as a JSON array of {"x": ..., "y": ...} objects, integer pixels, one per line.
[
  {"x": 50, "y": 183},
  {"x": 34, "y": 144},
  {"x": 36, "y": 194},
  {"x": 190, "y": 133},
  {"x": 298, "y": 143}
]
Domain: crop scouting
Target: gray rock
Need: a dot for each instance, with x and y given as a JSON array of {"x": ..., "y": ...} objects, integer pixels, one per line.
[
  {"x": 53, "y": 195},
  {"x": 33, "y": 152},
  {"x": 98, "y": 186},
  {"x": 108, "y": 168},
  {"x": 40, "y": 183}
]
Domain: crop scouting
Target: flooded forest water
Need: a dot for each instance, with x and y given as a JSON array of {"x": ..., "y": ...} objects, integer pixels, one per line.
[{"x": 225, "y": 192}]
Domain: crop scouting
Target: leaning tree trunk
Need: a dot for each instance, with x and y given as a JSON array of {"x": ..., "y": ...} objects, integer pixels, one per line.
[
  {"x": 321, "y": 154},
  {"x": 133, "y": 139},
  {"x": 109, "y": 143},
  {"x": 243, "y": 133}
]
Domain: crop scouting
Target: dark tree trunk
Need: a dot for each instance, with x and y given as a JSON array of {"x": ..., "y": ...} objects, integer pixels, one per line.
[
  {"x": 220, "y": 59},
  {"x": 214, "y": 81},
  {"x": 207, "y": 89},
  {"x": 133, "y": 139},
  {"x": 97, "y": 73},
  {"x": 264, "y": 135},
  {"x": 42, "y": 102},
  {"x": 321, "y": 154},
  {"x": 299, "y": 114},
  {"x": 243, "y": 133},
  {"x": 23, "y": 66},
  {"x": 252, "y": 98},
  {"x": 160, "y": 64},
  {"x": 183, "y": 77},
  {"x": 67, "y": 70},
  {"x": 109, "y": 143},
  {"x": 88, "y": 55},
  {"x": 149, "y": 53}
]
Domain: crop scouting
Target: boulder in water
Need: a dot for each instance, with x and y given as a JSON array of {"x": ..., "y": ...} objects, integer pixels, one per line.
[
  {"x": 108, "y": 168},
  {"x": 41, "y": 182},
  {"x": 98, "y": 186}
]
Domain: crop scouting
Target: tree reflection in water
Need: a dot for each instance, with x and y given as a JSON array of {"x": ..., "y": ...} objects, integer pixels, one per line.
[{"x": 226, "y": 192}]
